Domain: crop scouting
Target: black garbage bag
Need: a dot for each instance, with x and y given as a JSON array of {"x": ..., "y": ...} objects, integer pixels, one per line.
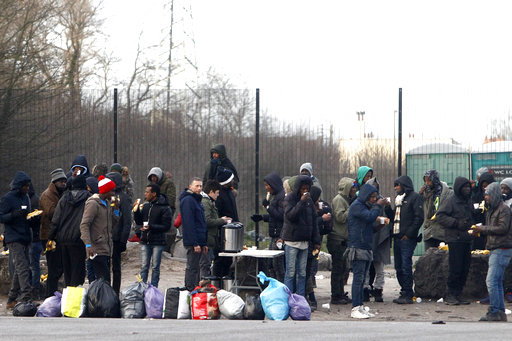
[
  {"x": 102, "y": 300},
  {"x": 172, "y": 299},
  {"x": 132, "y": 301},
  {"x": 253, "y": 309},
  {"x": 24, "y": 309}
]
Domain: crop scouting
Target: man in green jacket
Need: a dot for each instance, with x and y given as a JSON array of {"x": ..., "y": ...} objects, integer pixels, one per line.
[
  {"x": 337, "y": 240},
  {"x": 213, "y": 223}
]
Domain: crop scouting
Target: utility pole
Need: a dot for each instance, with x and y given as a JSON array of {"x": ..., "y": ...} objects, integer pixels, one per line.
[
  {"x": 169, "y": 70},
  {"x": 400, "y": 132}
]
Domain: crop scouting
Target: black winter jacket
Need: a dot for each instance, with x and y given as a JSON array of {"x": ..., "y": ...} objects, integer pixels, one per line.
[
  {"x": 275, "y": 216},
  {"x": 159, "y": 215},
  {"x": 300, "y": 215},
  {"x": 65, "y": 225},
  {"x": 121, "y": 231},
  {"x": 226, "y": 204},
  {"x": 222, "y": 161},
  {"x": 455, "y": 214},
  {"x": 411, "y": 212},
  {"x": 16, "y": 229}
]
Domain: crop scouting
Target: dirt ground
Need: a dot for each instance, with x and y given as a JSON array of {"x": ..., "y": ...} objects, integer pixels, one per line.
[{"x": 173, "y": 270}]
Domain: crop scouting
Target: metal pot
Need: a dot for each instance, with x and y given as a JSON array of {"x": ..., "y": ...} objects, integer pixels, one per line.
[
  {"x": 232, "y": 237},
  {"x": 215, "y": 281},
  {"x": 227, "y": 283}
]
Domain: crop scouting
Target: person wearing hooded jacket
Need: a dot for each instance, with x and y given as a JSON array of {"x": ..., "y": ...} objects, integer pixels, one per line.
[
  {"x": 337, "y": 240},
  {"x": 157, "y": 213},
  {"x": 307, "y": 169},
  {"x": 121, "y": 230},
  {"x": 434, "y": 192},
  {"x": 406, "y": 219},
  {"x": 14, "y": 207},
  {"x": 363, "y": 213},
  {"x": 79, "y": 166},
  {"x": 364, "y": 173},
  {"x": 477, "y": 197},
  {"x": 65, "y": 230},
  {"x": 299, "y": 229},
  {"x": 219, "y": 158},
  {"x": 455, "y": 215},
  {"x": 274, "y": 204},
  {"x": 497, "y": 227}
]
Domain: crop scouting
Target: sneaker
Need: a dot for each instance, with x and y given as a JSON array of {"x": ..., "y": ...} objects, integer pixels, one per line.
[
  {"x": 462, "y": 301},
  {"x": 341, "y": 300},
  {"x": 358, "y": 313},
  {"x": 11, "y": 304},
  {"x": 451, "y": 300},
  {"x": 499, "y": 316},
  {"x": 403, "y": 300}
]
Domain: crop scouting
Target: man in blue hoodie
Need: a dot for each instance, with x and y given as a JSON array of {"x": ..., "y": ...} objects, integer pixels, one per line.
[
  {"x": 195, "y": 232},
  {"x": 14, "y": 207}
]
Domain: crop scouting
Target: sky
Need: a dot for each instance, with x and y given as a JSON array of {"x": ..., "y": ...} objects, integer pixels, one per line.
[{"x": 323, "y": 61}]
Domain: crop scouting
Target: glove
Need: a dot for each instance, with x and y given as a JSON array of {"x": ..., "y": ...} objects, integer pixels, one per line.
[
  {"x": 265, "y": 202},
  {"x": 19, "y": 213},
  {"x": 256, "y": 217}
]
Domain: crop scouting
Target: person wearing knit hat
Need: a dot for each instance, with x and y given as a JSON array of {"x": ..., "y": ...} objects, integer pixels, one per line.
[
  {"x": 307, "y": 169},
  {"x": 92, "y": 185},
  {"x": 58, "y": 174},
  {"x": 116, "y": 167},
  {"x": 224, "y": 176},
  {"x": 99, "y": 218}
]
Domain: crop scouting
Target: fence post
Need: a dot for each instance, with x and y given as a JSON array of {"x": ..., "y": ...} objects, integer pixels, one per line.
[
  {"x": 257, "y": 167},
  {"x": 115, "y": 125}
]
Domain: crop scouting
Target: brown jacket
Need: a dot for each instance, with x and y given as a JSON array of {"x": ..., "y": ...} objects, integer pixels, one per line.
[
  {"x": 97, "y": 224},
  {"x": 47, "y": 203}
]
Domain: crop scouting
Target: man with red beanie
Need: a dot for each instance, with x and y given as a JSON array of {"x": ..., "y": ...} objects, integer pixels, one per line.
[{"x": 100, "y": 216}]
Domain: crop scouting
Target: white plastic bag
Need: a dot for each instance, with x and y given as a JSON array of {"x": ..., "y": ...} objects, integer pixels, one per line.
[
  {"x": 184, "y": 306},
  {"x": 231, "y": 306}
]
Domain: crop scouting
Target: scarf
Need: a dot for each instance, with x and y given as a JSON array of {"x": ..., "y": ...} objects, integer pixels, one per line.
[{"x": 398, "y": 206}]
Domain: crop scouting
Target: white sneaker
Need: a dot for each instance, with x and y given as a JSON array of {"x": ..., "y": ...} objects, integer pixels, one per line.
[
  {"x": 359, "y": 313},
  {"x": 366, "y": 310}
]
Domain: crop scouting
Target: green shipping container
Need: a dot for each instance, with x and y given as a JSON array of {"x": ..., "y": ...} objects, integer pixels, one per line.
[
  {"x": 449, "y": 160},
  {"x": 496, "y": 156}
]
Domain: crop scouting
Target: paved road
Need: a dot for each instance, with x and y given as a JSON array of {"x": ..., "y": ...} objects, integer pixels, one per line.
[{"x": 118, "y": 329}]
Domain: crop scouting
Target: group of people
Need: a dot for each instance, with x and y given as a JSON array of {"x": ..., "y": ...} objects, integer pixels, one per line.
[{"x": 87, "y": 218}]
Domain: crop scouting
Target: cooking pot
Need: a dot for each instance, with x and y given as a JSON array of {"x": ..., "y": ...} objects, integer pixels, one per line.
[
  {"x": 227, "y": 283},
  {"x": 232, "y": 237}
]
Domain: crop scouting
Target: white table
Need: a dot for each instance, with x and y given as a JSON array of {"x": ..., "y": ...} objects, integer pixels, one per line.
[{"x": 257, "y": 254}]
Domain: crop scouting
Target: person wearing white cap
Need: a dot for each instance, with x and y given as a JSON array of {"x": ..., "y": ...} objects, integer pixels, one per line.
[{"x": 307, "y": 169}]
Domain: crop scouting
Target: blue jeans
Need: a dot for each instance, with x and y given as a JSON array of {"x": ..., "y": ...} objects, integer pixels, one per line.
[
  {"x": 296, "y": 261},
  {"x": 151, "y": 254},
  {"x": 498, "y": 262},
  {"x": 35, "y": 268},
  {"x": 359, "y": 270},
  {"x": 403, "y": 251}
]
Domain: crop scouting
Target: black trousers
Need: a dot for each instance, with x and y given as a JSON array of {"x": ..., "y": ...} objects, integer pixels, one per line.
[
  {"x": 459, "y": 260},
  {"x": 73, "y": 263},
  {"x": 55, "y": 269},
  {"x": 20, "y": 281},
  {"x": 116, "y": 267},
  {"x": 101, "y": 266}
]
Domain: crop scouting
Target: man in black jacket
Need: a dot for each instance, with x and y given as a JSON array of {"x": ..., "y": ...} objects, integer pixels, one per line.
[
  {"x": 153, "y": 221},
  {"x": 219, "y": 159},
  {"x": 121, "y": 230},
  {"x": 407, "y": 219},
  {"x": 274, "y": 204},
  {"x": 14, "y": 207},
  {"x": 455, "y": 215},
  {"x": 65, "y": 230}
]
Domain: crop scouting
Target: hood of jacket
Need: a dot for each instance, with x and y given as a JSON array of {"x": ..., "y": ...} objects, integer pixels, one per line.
[
  {"x": 187, "y": 192},
  {"x": 486, "y": 177},
  {"x": 275, "y": 182},
  {"x": 406, "y": 183},
  {"x": 81, "y": 161},
  {"x": 315, "y": 193},
  {"x": 220, "y": 149},
  {"x": 507, "y": 182},
  {"x": 155, "y": 171},
  {"x": 299, "y": 181},
  {"x": 365, "y": 192},
  {"x": 307, "y": 166},
  {"x": 344, "y": 186},
  {"x": 361, "y": 173},
  {"x": 20, "y": 179},
  {"x": 118, "y": 180},
  {"x": 77, "y": 197},
  {"x": 494, "y": 192},
  {"x": 458, "y": 184},
  {"x": 374, "y": 182},
  {"x": 437, "y": 187}
]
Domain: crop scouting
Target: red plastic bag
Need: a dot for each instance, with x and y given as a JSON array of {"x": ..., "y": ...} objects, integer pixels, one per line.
[
  {"x": 204, "y": 303},
  {"x": 177, "y": 221}
]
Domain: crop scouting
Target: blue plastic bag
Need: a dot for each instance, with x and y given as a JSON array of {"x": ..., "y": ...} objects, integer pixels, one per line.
[
  {"x": 299, "y": 306},
  {"x": 274, "y": 298},
  {"x": 154, "y": 302},
  {"x": 50, "y": 307}
]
